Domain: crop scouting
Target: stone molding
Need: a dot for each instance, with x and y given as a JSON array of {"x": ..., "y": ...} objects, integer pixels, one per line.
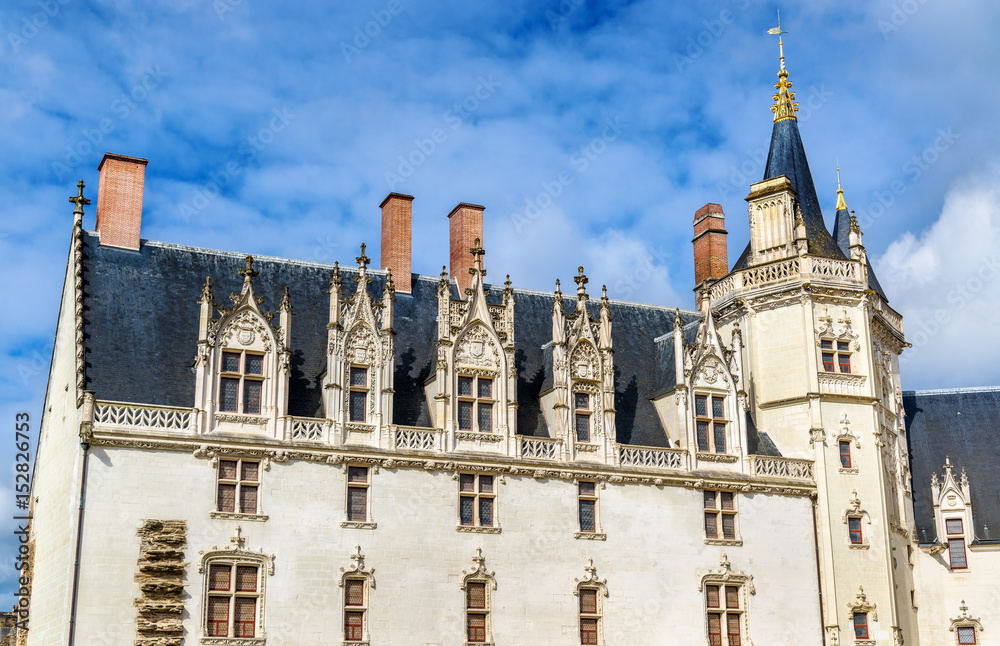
[{"x": 226, "y": 515}]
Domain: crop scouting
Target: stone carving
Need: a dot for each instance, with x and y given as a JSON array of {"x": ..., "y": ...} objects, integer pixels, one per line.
[
  {"x": 161, "y": 575},
  {"x": 476, "y": 348}
]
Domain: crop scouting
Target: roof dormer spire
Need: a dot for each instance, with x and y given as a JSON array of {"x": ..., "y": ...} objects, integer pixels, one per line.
[{"x": 784, "y": 100}]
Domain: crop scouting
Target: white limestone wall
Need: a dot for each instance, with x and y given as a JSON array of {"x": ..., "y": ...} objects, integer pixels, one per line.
[
  {"x": 940, "y": 591},
  {"x": 55, "y": 487},
  {"x": 653, "y": 557}
]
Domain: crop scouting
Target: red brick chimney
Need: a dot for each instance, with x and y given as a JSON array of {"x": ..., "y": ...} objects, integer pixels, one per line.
[
  {"x": 711, "y": 261},
  {"x": 119, "y": 200},
  {"x": 465, "y": 223},
  {"x": 397, "y": 239}
]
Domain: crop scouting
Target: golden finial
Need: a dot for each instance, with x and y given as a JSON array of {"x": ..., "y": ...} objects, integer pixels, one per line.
[
  {"x": 784, "y": 100},
  {"x": 841, "y": 204}
]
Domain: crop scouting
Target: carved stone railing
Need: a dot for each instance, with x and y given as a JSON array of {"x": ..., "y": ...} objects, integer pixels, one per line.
[
  {"x": 538, "y": 448},
  {"x": 890, "y": 317},
  {"x": 831, "y": 268},
  {"x": 420, "y": 439},
  {"x": 652, "y": 457},
  {"x": 308, "y": 429},
  {"x": 787, "y": 270},
  {"x": 771, "y": 467},
  {"x": 835, "y": 383},
  {"x": 141, "y": 416}
]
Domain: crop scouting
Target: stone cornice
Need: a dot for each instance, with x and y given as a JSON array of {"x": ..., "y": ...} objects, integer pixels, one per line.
[{"x": 269, "y": 450}]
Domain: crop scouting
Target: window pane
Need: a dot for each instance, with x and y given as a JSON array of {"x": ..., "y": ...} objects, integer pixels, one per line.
[
  {"x": 828, "y": 361},
  {"x": 728, "y": 526},
  {"x": 732, "y": 597},
  {"x": 218, "y": 616},
  {"x": 845, "y": 362},
  {"x": 218, "y": 577},
  {"x": 718, "y": 407},
  {"x": 465, "y": 416},
  {"x": 581, "y": 400},
  {"x": 230, "y": 362},
  {"x": 246, "y": 612},
  {"x": 227, "y": 497},
  {"x": 710, "y": 529},
  {"x": 354, "y": 592},
  {"x": 246, "y": 578},
  {"x": 485, "y": 484},
  {"x": 359, "y": 377},
  {"x": 465, "y": 386},
  {"x": 255, "y": 364},
  {"x": 250, "y": 471},
  {"x": 860, "y": 625},
  {"x": 701, "y": 405},
  {"x": 251, "y": 396},
  {"x": 966, "y": 635},
  {"x": 486, "y": 388},
  {"x": 357, "y": 474},
  {"x": 248, "y": 500},
  {"x": 477, "y": 627},
  {"x": 588, "y": 602},
  {"x": 826, "y": 345},
  {"x": 956, "y": 549},
  {"x": 715, "y": 630},
  {"x": 588, "y": 631},
  {"x": 727, "y": 500},
  {"x": 486, "y": 512},
  {"x": 227, "y": 469},
  {"x": 845, "y": 455},
  {"x": 229, "y": 393},
  {"x": 353, "y": 626},
  {"x": 703, "y": 436},
  {"x": 485, "y": 418},
  {"x": 582, "y": 428},
  {"x": 720, "y": 437},
  {"x": 954, "y": 525},
  {"x": 467, "y": 482},
  {"x": 475, "y": 594},
  {"x": 466, "y": 510},
  {"x": 587, "y": 508},
  {"x": 588, "y": 488},
  {"x": 357, "y": 504},
  {"x": 733, "y": 629},
  {"x": 358, "y": 401},
  {"x": 713, "y": 596},
  {"x": 709, "y": 499},
  {"x": 842, "y": 346},
  {"x": 854, "y": 527}
]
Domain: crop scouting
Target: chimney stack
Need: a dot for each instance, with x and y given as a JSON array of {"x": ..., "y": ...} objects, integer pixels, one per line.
[
  {"x": 119, "y": 200},
  {"x": 711, "y": 260},
  {"x": 397, "y": 239},
  {"x": 465, "y": 223}
]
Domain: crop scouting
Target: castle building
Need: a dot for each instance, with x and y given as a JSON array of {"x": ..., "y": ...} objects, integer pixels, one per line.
[{"x": 360, "y": 455}]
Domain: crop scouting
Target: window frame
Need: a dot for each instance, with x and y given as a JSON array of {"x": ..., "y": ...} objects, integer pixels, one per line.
[
  {"x": 363, "y": 390},
  {"x": 475, "y": 400},
  {"x": 597, "y": 616},
  {"x": 842, "y": 444},
  {"x": 586, "y": 413},
  {"x": 718, "y": 514},
  {"x": 361, "y": 608},
  {"x": 358, "y": 485},
  {"x": 239, "y": 483},
  {"x": 839, "y": 351},
  {"x": 953, "y": 539},
  {"x": 241, "y": 376},
  {"x": 724, "y": 612},
  {"x": 859, "y": 531},
  {"x": 711, "y": 423},
  {"x": 262, "y": 564},
  {"x": 975, "y": 635},
  {"x": 477, "y": 496},
  {"x": 593, "y": 497},
  {"x": 854, "y": 624}
]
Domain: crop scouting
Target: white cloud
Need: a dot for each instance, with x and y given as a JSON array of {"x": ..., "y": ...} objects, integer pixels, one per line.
[{"x": 946, "y": 283}]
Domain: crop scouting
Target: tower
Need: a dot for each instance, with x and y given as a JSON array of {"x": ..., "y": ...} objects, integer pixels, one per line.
[{"x": 821, "y": 372}]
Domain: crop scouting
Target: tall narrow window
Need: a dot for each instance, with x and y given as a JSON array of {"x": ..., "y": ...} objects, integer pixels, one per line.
[
  {"x": 588, "y": 506},
  {"x": 581, "y": 405},
  {"x": 725, "y": 614},
  {"x": 860, "y": 625},
  {"x": 357, "y": 494},
  {"x": 720, "y": 515},
  {"x": 710, "y": 414},
  {"x": 590, "y": 616},
  {"x": 355, "y": 609},
  {"x": 238, "y": 486},
  {"x": 845, "y": 454},
  {"x": 475, "y": 404},
  {"x": 233, "y": 596},
  {"x": 956, "y": 544},
  {"x": 476, "y": 500},
  {"x": 358, "y": 404},
  {"x": 854, "y": 530},
  {"x": 476, "y": 610},
  {"x": 241, "y": 383}
]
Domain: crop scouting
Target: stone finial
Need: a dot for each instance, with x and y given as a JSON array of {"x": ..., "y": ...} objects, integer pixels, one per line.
[
  {"x": 581, "y": 281},
  {"x": 335, "y": 280},
  {"x": 248, "y": 272},
  {"x": 477, "y": 252},
  {"x": 206, "y": 291},
  {"x": 286, "y": 301},
  {"x": 389, "y": 286},
  {"x": 79, "y": 199},
  {"x": 363, "y": 260}
]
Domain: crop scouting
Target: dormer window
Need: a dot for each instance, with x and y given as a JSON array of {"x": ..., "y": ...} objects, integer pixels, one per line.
[
  {"x": 242, "y": 382},
  {"x": 359, "y": 394},
  {"x": 836, "y": 356},
  {"x": 581, "y": 404},
  {"x": 475, "y": 404},
  {"x": 710, "y": 414}
]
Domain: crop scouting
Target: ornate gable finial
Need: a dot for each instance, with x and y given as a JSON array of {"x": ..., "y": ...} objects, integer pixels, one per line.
[
  {"x": 79, "y": 200},
  {"x": 855, "y": 227},
  {"x": 248, "y": 272},
  {"x": 947, "y": 466},
  {"x": 335, "y": 280},
  {"x": 558, "y": 291},
  {"x": 443, "y": 281},
  {"x": 604, "y": 295},
  {"x": 286, "y": 302},
  {"x": 677, "y": 318},
  {"x": 477, "y": 252},
  {"x": 363, "y": 260},
  {"x": 478, "y": 570},
  {"x": 581, "y": 281},
  {"x": 237, "y": 538},
  {"x": 357, "y": 568},
  {"x": 206, "y": 291},
  {"x": 590, "y": 579},
  {"x": 389, "y": 286},
  {"x": 784, "y": 100}
]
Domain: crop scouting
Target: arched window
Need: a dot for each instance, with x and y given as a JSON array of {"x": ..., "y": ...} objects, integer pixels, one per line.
[
  {"x": 478, "y": 586},
  {"x": 357, "y": 583},
  {"x": 591, "y": 592},
  {"x": 235, "y": 581}
]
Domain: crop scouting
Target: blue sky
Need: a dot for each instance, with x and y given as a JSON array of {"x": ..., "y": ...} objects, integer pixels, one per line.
[{"x": 651, "y": 109}]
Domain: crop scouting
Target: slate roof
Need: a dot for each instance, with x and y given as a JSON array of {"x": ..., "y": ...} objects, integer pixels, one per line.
[
  {"x": 961, "y": 425},
  {"x": 141, "y": 330}
]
